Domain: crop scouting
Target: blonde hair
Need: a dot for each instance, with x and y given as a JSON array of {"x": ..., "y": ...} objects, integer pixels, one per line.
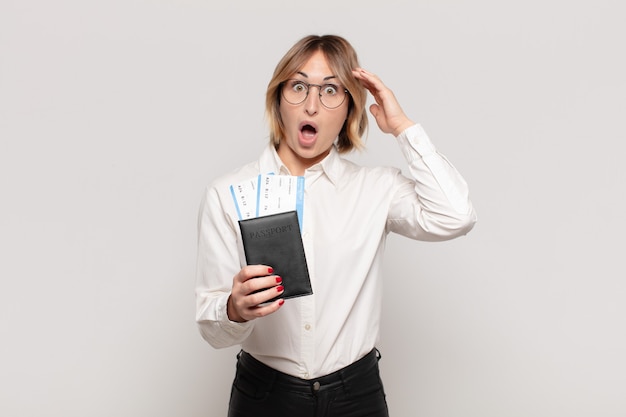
[{"x": 342, "y": 59}]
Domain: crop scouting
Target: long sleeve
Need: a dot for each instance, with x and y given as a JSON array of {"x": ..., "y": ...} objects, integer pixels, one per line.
[
  {"x": 218, "y": 262},
  {"x": 434, "y": 203},
  {"x": 348, "y": 210}
]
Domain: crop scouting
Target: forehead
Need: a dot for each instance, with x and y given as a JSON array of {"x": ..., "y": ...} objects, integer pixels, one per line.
[{"x": 316, "y": 66}]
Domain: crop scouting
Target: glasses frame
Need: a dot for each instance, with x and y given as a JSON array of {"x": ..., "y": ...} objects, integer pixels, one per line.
[{"x": 308, "y": 88}]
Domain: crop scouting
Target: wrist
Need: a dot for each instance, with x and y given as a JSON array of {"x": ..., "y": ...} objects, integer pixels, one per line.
[
  {"x": 231, "y": 312},
  {"x": 402, "y": 127}
]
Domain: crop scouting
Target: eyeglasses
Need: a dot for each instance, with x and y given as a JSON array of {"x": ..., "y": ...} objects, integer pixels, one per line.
[{"x": 296, "y": 91}]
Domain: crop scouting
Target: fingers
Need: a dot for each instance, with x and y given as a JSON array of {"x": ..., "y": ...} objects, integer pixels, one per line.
[
  {"x": 370, "y": 81},
  {"x": 375, "y": 110},
  {"x": 242, "y": 313},
  {"x": 253, "y": 271},
  {"x": 264, "y": 310},
  {"x": 383, "y": 96},
  {"x": 387, "y": 111},
  {"x": 252, "y": 286},
  {"x": 260, "y": 290},
  {"x": 366, "y": 76}
]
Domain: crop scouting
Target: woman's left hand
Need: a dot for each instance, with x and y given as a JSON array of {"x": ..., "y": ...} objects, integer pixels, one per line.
[{"x": 387, "y": 111}]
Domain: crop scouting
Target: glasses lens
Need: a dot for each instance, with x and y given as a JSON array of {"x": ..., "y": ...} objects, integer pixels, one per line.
[
  {"x": 331, "y": 95},
  {"x": 295, "y": 91}
]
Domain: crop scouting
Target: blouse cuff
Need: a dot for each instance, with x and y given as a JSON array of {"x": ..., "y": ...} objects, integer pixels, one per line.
[
  {"x": 415, "y": 137},
  {"x": 232, "y": 327}
]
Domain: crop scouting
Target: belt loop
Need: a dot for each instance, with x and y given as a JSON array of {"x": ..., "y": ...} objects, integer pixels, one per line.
[
  {"x": 378, "y": 355},
  {"x": 344, "y": 384},
  {"x": 239, "y": 354}
]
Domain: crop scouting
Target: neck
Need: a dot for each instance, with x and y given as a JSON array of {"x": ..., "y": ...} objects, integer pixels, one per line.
[{"x": 297, "y": 164}]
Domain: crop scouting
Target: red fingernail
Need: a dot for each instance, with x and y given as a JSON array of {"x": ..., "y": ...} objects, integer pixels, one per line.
[
  {"x": 279, "y": 280},
  {"x": 270, "y": 270},
  {"x": 280, "y": 288},
  {"x": 281, "y": 302}
]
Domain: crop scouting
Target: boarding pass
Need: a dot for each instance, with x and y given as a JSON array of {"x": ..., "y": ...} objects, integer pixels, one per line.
[{"x": 268, "y": 194}]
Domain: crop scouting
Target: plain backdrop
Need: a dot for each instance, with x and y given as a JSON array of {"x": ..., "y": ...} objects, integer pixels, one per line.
[{"x": 115, "y": 114}]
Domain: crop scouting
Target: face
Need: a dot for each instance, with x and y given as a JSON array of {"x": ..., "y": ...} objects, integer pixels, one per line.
[{"x": 310, "y": 128}]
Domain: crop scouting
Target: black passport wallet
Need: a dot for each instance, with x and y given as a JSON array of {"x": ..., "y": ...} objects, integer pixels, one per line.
[{"x": 275, "y": 241}]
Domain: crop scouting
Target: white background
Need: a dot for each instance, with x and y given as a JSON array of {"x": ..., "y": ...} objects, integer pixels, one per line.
[{"x": 115, "y": 114}]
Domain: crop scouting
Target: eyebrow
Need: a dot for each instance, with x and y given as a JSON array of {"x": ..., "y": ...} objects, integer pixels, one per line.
[{"x": 330, "y": 77}]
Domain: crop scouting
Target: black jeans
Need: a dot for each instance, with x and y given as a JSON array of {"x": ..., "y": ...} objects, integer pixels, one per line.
[{"x": 354, "y": 391}]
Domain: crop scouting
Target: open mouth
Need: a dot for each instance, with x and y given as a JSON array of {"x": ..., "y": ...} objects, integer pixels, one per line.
[{"x": 308, "y": 131}]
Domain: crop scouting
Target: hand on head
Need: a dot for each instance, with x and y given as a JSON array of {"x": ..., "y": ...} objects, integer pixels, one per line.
[{"x": 387, "y": 111}]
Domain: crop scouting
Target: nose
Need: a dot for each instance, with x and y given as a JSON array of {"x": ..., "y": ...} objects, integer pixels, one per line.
[{"x": 312, "y": 101}]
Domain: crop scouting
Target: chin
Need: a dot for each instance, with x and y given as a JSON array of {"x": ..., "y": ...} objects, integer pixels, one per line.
[{"x": 309, "y": 155}]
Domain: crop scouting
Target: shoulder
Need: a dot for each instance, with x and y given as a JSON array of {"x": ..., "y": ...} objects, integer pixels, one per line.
[{"x": 224, "y": 181}]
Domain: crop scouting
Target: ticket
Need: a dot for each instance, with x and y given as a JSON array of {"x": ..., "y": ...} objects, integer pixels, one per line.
[
  {"x": 269, "y": 194},
  {"x": 245, "y": 195}
]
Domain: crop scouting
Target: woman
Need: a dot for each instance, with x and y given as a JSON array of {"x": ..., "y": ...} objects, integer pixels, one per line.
[{"x": 315, "y": 355}]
